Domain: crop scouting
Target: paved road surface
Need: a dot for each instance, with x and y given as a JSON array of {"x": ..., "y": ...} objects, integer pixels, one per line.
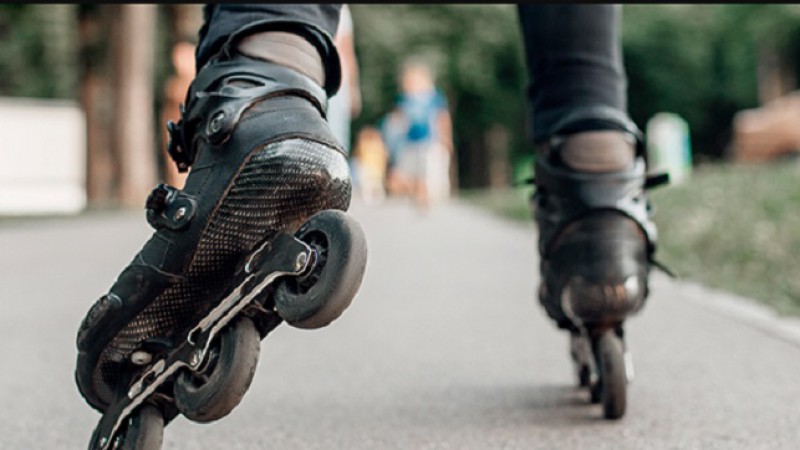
[{"x": 444, "y": 348}]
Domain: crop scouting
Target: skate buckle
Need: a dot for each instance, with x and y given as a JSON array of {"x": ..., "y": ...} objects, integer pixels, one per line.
[
  {"x": 176, "y": 148},
  {"x": 171, "y": 208}
]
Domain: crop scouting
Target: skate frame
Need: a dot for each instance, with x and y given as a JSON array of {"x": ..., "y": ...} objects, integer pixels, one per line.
[{"x": 280, "y": 256}]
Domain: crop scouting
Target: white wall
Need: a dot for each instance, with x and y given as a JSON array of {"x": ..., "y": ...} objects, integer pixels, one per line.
[{"x": 42, "y": 157}]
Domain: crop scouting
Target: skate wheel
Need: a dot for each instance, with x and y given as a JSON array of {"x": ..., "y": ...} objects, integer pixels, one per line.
[
  {"x": 143, "y": 430},
  {"x": 316, "y": 299},
  {"x": 612, "y": 378},
  {"x": 212, "y": 394}
]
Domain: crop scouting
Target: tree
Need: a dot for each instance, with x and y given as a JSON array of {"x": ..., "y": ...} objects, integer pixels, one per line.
[
  {"x": 132, "y": 66},
  {"x": 95, "y": 88}
]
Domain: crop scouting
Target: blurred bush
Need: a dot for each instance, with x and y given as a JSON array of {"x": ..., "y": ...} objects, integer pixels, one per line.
[
  {"x": 706, "y": 62},
  {"x": 38, "y": 51}
]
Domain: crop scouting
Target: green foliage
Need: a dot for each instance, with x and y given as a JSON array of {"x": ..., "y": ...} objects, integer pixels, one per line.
[
  {"x": 700, "y": 61},
  {"x": 38, "y": 51},
  {"x": 735, "y": 228},
  {"x": 669, "y": 61}
]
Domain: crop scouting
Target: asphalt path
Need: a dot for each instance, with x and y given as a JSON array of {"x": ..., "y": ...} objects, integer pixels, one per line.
[{"x": 445, "y": 347}]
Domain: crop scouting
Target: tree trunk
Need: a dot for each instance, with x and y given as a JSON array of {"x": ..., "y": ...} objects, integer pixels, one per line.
[
  {"x": 132, "y": 56},
  {"x": 497, "y": 138},
  {"x": 184, "y": 22},
  {"x": 93, "y": 88}
]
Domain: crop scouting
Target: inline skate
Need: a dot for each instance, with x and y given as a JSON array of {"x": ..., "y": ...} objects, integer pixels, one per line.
[
  {"x": 596, "y": 241},
  {"x": 256, "y": 237}
]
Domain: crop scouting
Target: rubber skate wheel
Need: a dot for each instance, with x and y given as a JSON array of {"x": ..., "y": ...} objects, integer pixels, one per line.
[
  {"x": 212, "y": 394},
  {"x": 613, "y": 381},
  {"x": 316, "y": 299},
  {"x": 143, "y": 430}
]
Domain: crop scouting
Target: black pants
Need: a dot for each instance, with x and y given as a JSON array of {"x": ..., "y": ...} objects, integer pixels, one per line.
[{"x": 572, "y": 53}]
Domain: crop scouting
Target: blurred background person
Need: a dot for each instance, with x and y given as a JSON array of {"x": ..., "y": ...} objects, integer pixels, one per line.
[
  {"x": 423, "y": 157},
  {"x": 370, "y": 157},
  {"x": 392, "y": 128},
  {"x": 346, "y": 104}
]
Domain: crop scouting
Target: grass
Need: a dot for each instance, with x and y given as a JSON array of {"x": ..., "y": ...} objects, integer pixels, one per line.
[{"x": 731, "y": 227}]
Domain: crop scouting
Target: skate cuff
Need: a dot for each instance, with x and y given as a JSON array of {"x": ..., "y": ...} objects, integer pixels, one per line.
[
  {"x": 569, "y": 195},
  {"x": 213, "y": 110}
]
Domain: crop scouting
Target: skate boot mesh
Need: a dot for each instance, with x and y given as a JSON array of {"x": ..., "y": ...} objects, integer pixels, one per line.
[{"x": 281, "y": 185}]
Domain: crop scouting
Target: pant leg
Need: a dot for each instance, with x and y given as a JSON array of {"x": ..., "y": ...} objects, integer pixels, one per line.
[
  {"x": 574, "y": 59},
  {"x": 225, "y": 23}
]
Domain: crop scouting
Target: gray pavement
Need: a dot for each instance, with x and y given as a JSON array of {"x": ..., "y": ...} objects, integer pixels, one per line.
[{"x": 445, "y": 347}]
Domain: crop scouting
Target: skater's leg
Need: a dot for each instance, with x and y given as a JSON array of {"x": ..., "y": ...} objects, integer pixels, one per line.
[
  {"x": 262, "y": 160},
  {"x": 596, "y": 237},
  {"x": 575, "y": 67},
  {"x": 315, "y": 23}
]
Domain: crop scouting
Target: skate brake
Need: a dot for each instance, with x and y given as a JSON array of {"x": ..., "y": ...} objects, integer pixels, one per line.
[{"x": 280, "y": 256}]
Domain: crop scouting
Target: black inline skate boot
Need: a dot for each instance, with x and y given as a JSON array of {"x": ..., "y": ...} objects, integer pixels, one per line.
[
  {"x": 596, "y": 242},
  {"x": 257, "y": 236}
]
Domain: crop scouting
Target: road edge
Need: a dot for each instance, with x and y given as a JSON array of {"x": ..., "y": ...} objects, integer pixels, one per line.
[{"x": 736, "y": 307}]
